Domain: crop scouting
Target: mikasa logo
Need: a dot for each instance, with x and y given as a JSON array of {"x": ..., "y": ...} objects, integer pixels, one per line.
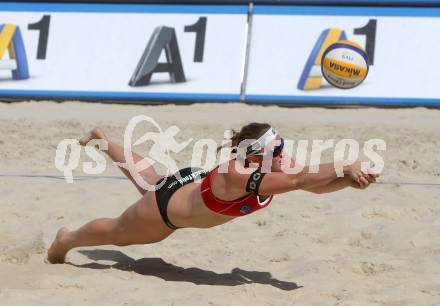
[{"x": 348, "y": 70}]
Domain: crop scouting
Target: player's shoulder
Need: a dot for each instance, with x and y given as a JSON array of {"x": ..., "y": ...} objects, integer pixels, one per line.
[
  {"x": 228, "y": 168},
  {"x": 234, "y": 169}
]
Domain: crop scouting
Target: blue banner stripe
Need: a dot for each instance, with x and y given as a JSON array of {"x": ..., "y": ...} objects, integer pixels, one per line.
[
  {"x": 278, "y": 99},
  {"x": 347, "y": 11},
  {"x": 123, "y": 8},
  {"x": 369, "y": 2},
  {"x": 119, "y": 95},
  {"x": 270, "y": 99}
]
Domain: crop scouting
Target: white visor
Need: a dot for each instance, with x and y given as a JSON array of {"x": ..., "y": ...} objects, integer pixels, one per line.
[{"x": 261, "y": 142}]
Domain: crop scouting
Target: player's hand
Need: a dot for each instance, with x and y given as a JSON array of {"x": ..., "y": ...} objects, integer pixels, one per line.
[{"x": 361, "y": 179}]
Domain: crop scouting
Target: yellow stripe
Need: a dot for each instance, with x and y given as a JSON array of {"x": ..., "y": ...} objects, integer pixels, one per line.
[
  {"x": 11, "y": 50},
  {"x": 332, "y": 37},
  {"x": 313, "y": 83},
  {"x": 344, "y": 69},
  {"x": 6, "y": 37}
]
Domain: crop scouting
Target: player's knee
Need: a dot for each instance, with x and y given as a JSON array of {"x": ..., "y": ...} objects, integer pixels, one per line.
[{"x": 120, "y": 235}]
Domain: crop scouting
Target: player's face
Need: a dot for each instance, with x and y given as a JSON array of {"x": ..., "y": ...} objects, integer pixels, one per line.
[{"x": 272, "y": 154}]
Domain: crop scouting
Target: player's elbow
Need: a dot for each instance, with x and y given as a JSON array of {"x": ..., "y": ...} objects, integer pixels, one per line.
[{"x": 298, "y": 181}]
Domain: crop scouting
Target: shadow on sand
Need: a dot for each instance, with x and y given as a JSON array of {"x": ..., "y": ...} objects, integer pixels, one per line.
[{"x": 159, "y": 268}]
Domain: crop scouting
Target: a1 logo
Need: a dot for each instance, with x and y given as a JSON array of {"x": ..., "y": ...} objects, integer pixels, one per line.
[
  {"x": 11, "y": 40},
  {"x": 164, "y": 39},
  {"x": 311, "y": 77}
]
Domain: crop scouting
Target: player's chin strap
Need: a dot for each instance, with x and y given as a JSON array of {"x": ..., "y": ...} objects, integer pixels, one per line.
[{"x": 261, "y": 142}]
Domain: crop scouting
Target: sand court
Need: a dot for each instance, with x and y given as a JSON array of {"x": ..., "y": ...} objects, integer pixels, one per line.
[{"x": 379, "y": 246}]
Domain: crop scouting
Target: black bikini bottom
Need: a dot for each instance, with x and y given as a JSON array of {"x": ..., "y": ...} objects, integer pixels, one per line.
[{"x": 171, "y": 185}]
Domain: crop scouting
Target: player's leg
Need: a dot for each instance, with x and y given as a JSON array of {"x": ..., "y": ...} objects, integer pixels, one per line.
[
  {"x": 141, "y": 223},
  {"x": 116, "y": 153}
]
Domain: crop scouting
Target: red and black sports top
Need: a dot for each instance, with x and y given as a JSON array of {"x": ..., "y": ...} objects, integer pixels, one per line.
[{"x": 240, "y": 207}]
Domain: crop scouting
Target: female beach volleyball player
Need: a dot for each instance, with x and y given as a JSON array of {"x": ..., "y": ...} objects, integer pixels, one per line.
[{"x": 203, "y": 199}]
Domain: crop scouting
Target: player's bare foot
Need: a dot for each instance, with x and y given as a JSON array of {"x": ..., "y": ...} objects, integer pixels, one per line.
[
  {"x": 96, "y": 133},
  {"x": 58, "y": 250}
]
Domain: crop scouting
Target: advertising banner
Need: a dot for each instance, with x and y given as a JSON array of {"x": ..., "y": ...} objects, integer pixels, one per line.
[
  {"x": 287, "y": 44},
  {"x": 122, "y": 51}
]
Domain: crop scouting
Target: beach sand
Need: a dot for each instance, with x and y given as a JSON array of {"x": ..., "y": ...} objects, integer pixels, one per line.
[{"x": 379, "y": 246}]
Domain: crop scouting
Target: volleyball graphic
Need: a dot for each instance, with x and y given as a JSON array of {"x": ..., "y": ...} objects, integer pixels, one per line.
[{"x": 344, "y": 64}]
